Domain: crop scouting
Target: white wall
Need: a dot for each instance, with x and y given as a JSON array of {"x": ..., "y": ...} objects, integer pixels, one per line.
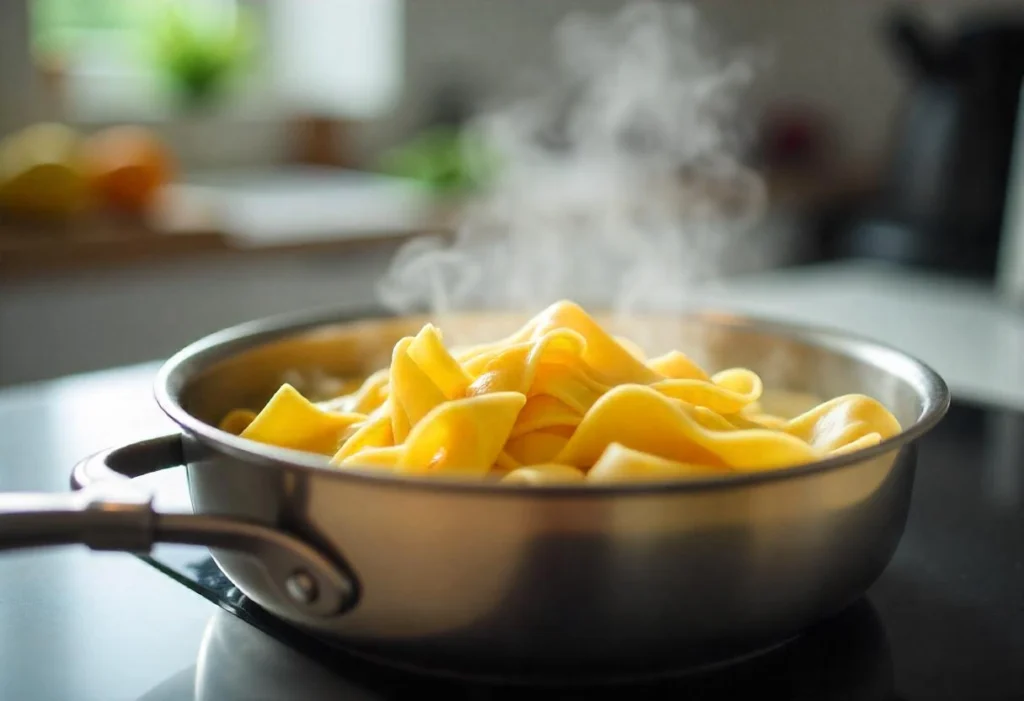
[
  {"x": 828, "y": 52},
  {"x": 20, "y": 97},
  {"x": 832, "y": 54}
]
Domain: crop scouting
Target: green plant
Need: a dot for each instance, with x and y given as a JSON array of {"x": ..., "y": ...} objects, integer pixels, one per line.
[
  {"x": 200, "y": 56},
  {"x": 442, "y": 158}
]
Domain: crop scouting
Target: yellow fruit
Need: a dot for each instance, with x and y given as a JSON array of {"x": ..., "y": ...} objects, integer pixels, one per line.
[{"x": 41, "y": 172}]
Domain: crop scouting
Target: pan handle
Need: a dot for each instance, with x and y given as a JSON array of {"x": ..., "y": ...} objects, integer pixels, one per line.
[{"x": 107, "y": 513}]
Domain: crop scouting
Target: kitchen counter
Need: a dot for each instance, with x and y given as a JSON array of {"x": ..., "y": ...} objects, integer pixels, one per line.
[
  {"x": 974, "y": 339},
  {"x": 227, "y": 246},
  {"x": 228, "y": 214},
  {"x": 75, "y": 624},
  {"x": 285, "y": 209},
  {"x": 40, "y": 252},
  {"x": 79, "y": 625}
]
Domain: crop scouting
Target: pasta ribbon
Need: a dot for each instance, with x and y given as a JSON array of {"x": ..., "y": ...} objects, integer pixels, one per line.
[
  {"x": 728, "y": 392},
  {"x": 667, "y": 430},
  {"x": 370, "y": 395},
  {"x": 428, "y": 351},
  {"x": 562, "y": 401},
  {"x": 289, "y": 420},
  {"x": 387, "y": 456},
  {"x": 237, "y": 421},
  {"x": 464, "y": 435},
  {"x": 843, "y": 420},
  {"x": 611, "y": 362},
  {"x": 542, "y": 412},
  {"x": 414, "y": 394},
  {"x": 371, "y": 434},
  {"x": 545, "y": 474},
  {"x": 514, "y": 369},
  {"x": 676, "y": 366},
  {"x": 621, "y": 464},
  {"x": 536, "y": 447}
]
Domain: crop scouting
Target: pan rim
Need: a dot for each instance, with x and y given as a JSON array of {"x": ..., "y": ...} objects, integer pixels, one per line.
[{"x": 931, "y": 388}]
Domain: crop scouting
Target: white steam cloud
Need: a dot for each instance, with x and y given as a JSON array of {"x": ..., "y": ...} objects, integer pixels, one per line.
[{"x": 620, "y": 185}]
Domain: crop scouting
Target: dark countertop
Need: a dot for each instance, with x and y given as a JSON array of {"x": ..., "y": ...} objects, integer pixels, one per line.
[
  {"x": 74, "y": 624},
  {"x": 946, "y": 620}
]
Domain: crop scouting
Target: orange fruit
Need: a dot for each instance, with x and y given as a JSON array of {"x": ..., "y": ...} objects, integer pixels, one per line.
[{"x": 127, "y": 166}]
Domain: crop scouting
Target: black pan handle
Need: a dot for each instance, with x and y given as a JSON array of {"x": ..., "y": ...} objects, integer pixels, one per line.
[{"x": 107, "y": 513}]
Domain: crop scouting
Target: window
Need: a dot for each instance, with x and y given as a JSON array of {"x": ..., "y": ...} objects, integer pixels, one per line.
[
  {"x": 108, "y": 53},
  {"x": 338, "y": 56},
  {"x": 80, "y": 26},
  {"x": 342, "y": 57}
]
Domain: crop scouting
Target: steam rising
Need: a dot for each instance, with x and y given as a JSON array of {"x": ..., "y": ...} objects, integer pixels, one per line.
[{"x": 620, "y": 185}]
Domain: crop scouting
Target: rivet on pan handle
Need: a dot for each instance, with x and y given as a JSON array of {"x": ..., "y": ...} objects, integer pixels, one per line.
[{"x": 105, "y": 513}]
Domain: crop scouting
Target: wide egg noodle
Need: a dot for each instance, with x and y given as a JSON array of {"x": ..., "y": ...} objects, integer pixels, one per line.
[
  {"x": 514, "y": 369},
  {"x": 545, "y": 412},
  {"x": 289, "y": 420},
  {"x": 413, "y": 393},
  {"x": 728, "y": 392},
  {"x": 545, "y": 474},
  {"x": 609, "y": 361},
  {"x": 675, "y": 365},
  {"x": 237, "y": 420},
  {"x": 621, "y": 464},
  {"x": 375, "y": 432},
  {"x": 428, "y": 351},
  {"x": 463, "y": 436},
  {"x": 643, "y": 419},
  {"x": 385, "y": 456},
  {"x": 842, "y": 421},
  {"x": 536, "y": 447},
  {"x": 560, "y": 401}
]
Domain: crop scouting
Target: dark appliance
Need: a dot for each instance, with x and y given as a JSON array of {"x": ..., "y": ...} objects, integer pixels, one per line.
[{"x": 943, "y": 195}]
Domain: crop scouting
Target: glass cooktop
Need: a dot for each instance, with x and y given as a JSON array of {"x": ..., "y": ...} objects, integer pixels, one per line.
[{"x": 945, "y": 620}]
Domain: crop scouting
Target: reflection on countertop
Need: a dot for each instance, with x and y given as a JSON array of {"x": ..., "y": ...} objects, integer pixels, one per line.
[
  {"x": 845, "y": 658},
  {"x": 76, "y": 624}
]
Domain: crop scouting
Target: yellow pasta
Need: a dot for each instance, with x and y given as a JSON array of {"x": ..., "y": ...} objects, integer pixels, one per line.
[
  {"x": 544, "y": 474},
  {"x": 560, "y": 402},
  {"x": 289, "y": 420},
  {"x": 463, "y": 435},
  {"x": 621, "y": 464},
  {"x": 237, "y": 421}
]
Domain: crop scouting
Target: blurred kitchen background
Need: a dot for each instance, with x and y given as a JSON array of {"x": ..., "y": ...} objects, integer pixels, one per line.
[{"x": 171, "y": 168}]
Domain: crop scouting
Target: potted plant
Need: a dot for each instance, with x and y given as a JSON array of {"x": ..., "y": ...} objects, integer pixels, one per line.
[{"x": 200, "y": 54}]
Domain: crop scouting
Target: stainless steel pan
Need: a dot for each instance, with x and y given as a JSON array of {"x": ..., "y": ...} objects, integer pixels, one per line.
[{"x": 511, "y": 579}]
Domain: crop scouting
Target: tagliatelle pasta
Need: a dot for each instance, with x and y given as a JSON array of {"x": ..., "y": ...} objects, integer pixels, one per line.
[{"x": 560, "y": 401}]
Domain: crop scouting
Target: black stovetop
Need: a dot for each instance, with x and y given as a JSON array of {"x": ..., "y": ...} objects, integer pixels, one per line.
[{"x": 945, "y": 620}]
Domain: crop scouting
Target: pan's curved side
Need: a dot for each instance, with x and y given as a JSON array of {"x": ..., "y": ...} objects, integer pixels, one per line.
[
  {"x": 660, "y": 575},
  {"x": 559, "y": 582}
]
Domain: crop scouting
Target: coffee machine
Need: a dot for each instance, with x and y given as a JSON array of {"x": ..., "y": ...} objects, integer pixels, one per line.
[{"x": 945, "y": 196}]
